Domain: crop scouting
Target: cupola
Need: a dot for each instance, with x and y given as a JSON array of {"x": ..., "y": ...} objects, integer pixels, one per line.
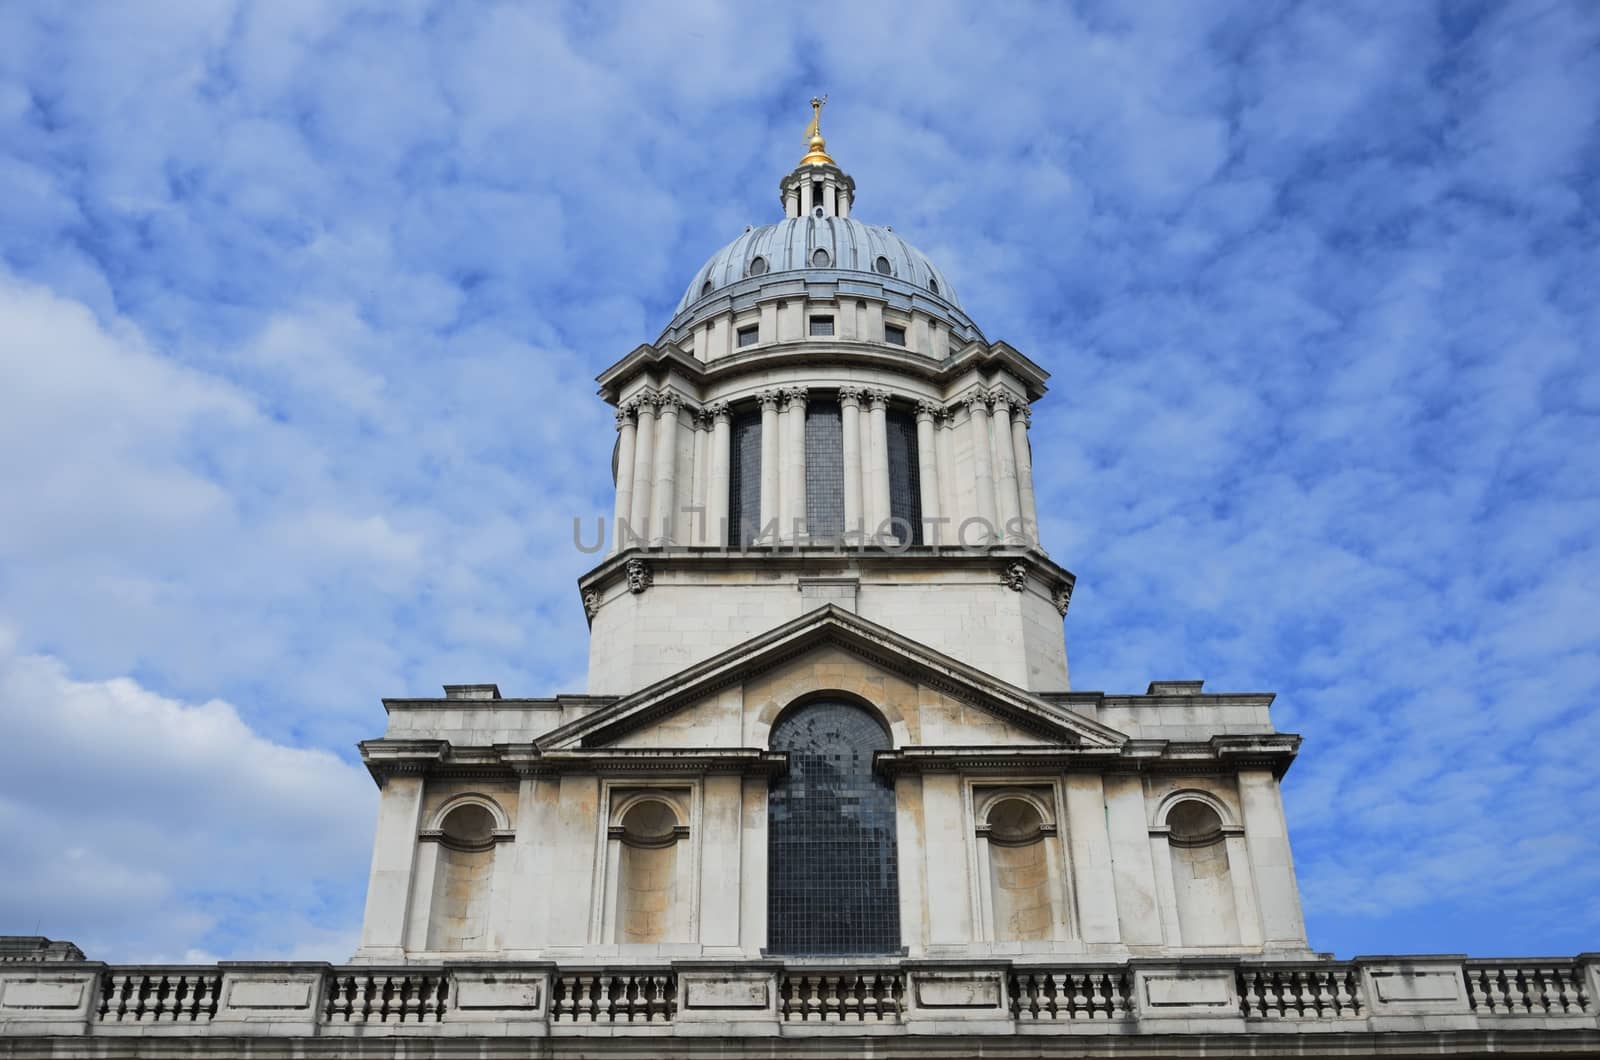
[{"x": 817, "y": 187}]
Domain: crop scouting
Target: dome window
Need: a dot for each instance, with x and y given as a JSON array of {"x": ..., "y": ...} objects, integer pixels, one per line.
[
  {"x": 820, "y": 259},
  {"x": 894, "y": 334},
  {"x": 706, "y": 289},
  {"x": 933, "y": 285},
  {"x": 882, "y": 266},
  {"x": 758, "y": 266}
]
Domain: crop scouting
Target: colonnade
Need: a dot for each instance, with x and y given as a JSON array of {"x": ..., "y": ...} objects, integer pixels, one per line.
[{"x": 648, "y": 513}]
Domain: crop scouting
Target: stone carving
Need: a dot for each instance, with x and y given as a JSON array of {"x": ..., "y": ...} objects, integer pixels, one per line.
[
  {"x": 1023, "y": 413},
  {"x": 1062, "y": 598},
  {"x": 624, "y": 415},
  {"x": 769, "y": 398},
  {"x": 591, "y": 603},
  {"x": 719, "y": 410},
  {"x": 795, "y": 396},
  {"x": 1015, "y": 577},
  {"x": 639, "y": 576},
  {"x": 999, "y": 397},
  {"x": 878, "y": 399},
  {"x": 930, "y": 408},
  {"x": 851, "y": 395},
  {"x": 975, "y": 399},
  {"x": 668, "y": 401}
]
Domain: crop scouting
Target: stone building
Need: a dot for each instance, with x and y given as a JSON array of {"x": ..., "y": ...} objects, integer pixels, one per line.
[{"x": 829, "y": 791}]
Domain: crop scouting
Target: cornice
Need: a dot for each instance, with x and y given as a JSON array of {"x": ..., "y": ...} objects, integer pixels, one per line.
[{"x": 1228, "y": 754}]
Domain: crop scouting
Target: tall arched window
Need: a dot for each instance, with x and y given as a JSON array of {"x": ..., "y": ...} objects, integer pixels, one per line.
[
  {"x": 744, "y": 479},
  {"x": 905, "y": 488},
  {"x": 833, "y": 882}
]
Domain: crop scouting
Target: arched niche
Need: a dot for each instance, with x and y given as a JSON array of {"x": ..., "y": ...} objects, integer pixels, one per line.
[
  {"x": 1197, "y": 837},
  {"x": 1021, "y": 866},
  {"x": 467, "y": 831},
  {"x": 649, "y": 878}
]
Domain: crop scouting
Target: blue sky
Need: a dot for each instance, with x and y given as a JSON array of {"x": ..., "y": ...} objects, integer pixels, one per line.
[{"x": 301, "y": 304}]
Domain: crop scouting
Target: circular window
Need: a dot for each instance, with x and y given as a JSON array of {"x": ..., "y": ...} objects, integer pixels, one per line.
[
  {"x": 933, "y": 285},
  {"x": 820, "y": 259},
  {"x": 758, "y": 266},
  {"x": 469, "y": 826},
  {"x": 817, "y": 211},
  {"x": 649, "y": 824},
  {"x": 1193, "y": 823},
  {"x": 882, "y": 265}
]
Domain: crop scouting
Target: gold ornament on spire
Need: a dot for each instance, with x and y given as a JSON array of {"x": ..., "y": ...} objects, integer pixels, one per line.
[{"x": 818, "y": 154}]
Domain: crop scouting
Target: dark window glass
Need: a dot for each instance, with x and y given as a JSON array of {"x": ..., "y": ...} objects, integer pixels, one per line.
[
  {"x": 820, "y": 259},
  {"x": 749, "y": 335},
  {"x": 824, "y": 470},
  {"x": 744, "y": 479},
  {"x": 758, "y": 266},
  {"x": 905, "y": 486},
  {"x": 832, "y": 876},
  {"x": 706, "y": 289},
  {"x": 822, "y": 325},
  {"x": 882, "y": 265},
  {"x": 933, "y": 285},
  {"x": 895, "y": 334}
]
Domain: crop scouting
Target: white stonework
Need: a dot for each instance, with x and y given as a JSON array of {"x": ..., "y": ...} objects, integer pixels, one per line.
[{"x": 566, "y": 876}]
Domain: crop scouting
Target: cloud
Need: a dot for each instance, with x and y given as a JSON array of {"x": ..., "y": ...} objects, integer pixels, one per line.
[{"x": 149, "y": 829}]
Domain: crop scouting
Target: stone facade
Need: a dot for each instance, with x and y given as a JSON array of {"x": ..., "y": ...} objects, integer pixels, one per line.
[{"x": 694, "y": 847}]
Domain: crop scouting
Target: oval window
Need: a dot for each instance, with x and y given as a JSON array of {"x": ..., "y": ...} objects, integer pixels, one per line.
[
  {"x": 882, "y": 265},
  {"x": 820, "y": 259},
  {"x": 758, "y": 266}
]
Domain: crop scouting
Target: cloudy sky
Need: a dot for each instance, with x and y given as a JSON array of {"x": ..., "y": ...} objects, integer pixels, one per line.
[{"x": 301, "y": 305}]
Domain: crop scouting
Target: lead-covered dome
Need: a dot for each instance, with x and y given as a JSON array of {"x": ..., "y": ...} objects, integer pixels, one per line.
[{"x": 818, "y": 243}]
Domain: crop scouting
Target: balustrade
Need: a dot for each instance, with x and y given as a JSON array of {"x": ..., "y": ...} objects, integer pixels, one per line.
[
  {"x": 614, "y": 997},
  {"x": 1331, "y": 991},
  {"x": 411, "y": 996},
  {"x": 841, "y": 997},
  {"x": 1496, "y": 988},
  {"x": 156, "y": 995},
  {"x": 1071, "y": 994}
]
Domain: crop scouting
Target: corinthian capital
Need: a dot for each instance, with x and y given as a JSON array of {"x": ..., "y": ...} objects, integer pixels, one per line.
[
  {"x": 878, "y": 399},
  {"x": 770, "y": 399},
  {"x": 975, "y": 399},
  {"x": 1023, "y": 413},
  {"x": 1000, "y": 398},
  {"x": 931, "y": 409},
  {"x": 624, "y": 415},
  {"x": 669, "y": 402},
  {"x": 795, "y": 395},
  {"x": 719, "y": 410},
  {"x": 850, "y": 395}
]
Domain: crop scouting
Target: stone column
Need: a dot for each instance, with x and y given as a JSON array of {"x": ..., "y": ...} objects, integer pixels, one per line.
[
  {"x": 624, "y": 505},
  {"x": 1271, "y": 864},
  {"x": 643, "y": 460},
  {"x": 721, "y": 469},
  {"x": 1009, "y": 500},
  {"x": 877, "y": 462},
  {"x": 393, "y": 854},
  {"x": 928, "y": 469},
  {"x": 794, "y": 466},
  {"x": 830, "y": 199},
  {"x": 978, "y": 406},
  {"x": 665, "y": 490},
  {"x": 698, "y": 530},
  {"x": 769, "y": 463},
  {"x": 1021, "y": 417},
  {"x": 850, "y": 416}
]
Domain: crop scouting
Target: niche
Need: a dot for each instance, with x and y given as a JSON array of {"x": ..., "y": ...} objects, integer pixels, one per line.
[
  {"x": 1021, "y": 872},
  {"x": 1201, "y": 880},
  {"x": 650, "y": 878},
  {"x": 458, "y": 916}
]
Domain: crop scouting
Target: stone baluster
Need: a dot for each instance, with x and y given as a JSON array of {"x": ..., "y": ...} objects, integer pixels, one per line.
[
  {"x": 1008, "y": 499},
  {"x": 625, "y": 440},
  {"x": 982, "y": 466},
  {"x": 643, "y": 466},
  {"x": 770, "y": 501},
  {"x": 928, "y": 469},
  {"x": 665, "y": 490}
]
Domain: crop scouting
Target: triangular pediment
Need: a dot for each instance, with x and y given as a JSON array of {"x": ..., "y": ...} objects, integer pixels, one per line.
[{"x": 836, "y": 636}]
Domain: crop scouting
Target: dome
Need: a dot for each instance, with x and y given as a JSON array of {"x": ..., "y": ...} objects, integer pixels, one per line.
[{"x": 831, "y": 244}]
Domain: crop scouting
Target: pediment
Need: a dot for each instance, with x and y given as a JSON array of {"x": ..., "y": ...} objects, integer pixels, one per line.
[{"x": 711, "y": 702}]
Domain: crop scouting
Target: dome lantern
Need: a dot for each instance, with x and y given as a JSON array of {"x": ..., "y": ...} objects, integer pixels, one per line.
[{"x": 817, "y": 187}]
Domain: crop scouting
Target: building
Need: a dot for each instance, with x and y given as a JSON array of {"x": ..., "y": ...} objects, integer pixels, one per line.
[{"x": 829, "y": 791}]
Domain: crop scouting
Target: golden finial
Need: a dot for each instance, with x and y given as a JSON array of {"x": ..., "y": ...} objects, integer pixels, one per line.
[{"x": 818, "y": 154}]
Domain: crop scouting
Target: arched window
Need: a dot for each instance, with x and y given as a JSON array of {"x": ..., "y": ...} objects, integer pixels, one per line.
[
  {"x": 824, "y": 470},
  {"x": 833, "y": 884}
]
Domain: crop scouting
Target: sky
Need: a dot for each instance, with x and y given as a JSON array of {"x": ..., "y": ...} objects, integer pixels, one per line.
[{"x": 301, "y": 305}]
